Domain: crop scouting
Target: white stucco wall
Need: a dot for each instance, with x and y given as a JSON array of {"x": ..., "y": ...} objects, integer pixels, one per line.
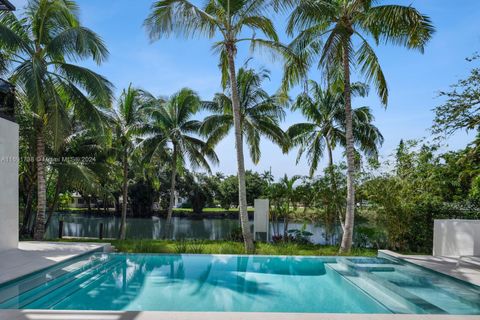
[
  {"x": 261, "y": 222},
  {"x": 457, "y": 237},
  {"x": 8, "y": 184}
]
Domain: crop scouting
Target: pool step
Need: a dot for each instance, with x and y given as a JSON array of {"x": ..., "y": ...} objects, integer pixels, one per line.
[
  {"x": 463, "y": 295},
  {"x": 48, "y": 299},
  {"x": 28, "y": 297},
  {"x": 392, "y": 296},
  {"x": 46, "y": 278}
]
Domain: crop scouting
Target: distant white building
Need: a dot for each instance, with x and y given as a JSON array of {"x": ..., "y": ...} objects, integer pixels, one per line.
[
  {"x": 77, "y": 201},
  {"x": 178, "y": 202}
]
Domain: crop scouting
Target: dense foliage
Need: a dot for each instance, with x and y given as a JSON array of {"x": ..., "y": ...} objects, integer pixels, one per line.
[{"x": 138, "y": 156}]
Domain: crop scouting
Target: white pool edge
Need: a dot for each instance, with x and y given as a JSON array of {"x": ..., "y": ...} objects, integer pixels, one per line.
[{"x": 163, "y": 315}]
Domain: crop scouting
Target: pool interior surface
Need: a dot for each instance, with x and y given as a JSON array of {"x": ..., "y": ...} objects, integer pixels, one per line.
[{"x": 142, "y": 282}]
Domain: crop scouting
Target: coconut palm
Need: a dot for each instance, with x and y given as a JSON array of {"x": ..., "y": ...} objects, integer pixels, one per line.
[
  {"x": 172, "y": 125},
  {"x": 228, "y": 20},
  {"x": 324, "y": 109},
  {"x": 38, "y": 49},
  {"x": 339, "y": 33},
  {"x": 129, "y": 120},
  {"x": 260, "y": 113}
]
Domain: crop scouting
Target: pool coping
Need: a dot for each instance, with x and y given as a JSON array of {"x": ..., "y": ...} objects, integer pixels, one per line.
[{"x": 171, "y": 315}]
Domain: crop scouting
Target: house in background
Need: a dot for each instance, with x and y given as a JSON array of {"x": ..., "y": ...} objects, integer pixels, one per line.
[
  {"x": 178, "y": 202},
  {"x": 77, "y": 201}
]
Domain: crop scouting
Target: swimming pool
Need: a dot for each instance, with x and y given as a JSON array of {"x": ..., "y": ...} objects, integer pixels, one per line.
[{"x": 150, "y": 282}]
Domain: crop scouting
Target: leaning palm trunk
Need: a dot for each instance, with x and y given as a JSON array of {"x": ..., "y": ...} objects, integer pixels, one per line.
[
  {"x": 350, "y": 212},
  {"x": 123, "y": 224},
  {"x": 168, "y": 224},
  {"x": 41, "y": 189},
  {"x": 242, "y": 192}
]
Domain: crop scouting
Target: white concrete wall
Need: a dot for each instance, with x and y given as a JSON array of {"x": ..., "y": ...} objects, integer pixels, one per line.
[
  {"x": 261, "y": 221},
  {"x": 454, "y": 238},
  {"x": 8, "y": 184}
]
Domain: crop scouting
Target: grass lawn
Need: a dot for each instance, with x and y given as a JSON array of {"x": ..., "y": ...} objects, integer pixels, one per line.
[
  {"x": 177, "y": 210},
  {"x": 225, "y": 247},
  {"x": 211, "y": 210}
]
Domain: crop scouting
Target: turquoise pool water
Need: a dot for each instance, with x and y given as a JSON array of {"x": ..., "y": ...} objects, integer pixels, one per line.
[{"x": 240, "y": 283}]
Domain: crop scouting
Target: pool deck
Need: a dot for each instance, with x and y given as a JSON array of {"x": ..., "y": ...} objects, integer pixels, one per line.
[
  {"x": 466, "y": 271},
  {"x": 32, "y": 256},
  {"x": 160, "y": 315}
]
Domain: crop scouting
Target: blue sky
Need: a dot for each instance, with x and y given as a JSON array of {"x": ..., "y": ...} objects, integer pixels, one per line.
[{"x": 414, "y": 80}]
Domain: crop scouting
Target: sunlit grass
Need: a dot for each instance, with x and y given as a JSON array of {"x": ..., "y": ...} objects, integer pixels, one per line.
[{"x": 225, "y": 247}]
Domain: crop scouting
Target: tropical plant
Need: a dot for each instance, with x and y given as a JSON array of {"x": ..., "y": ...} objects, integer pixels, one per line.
[
  {"x": 129, "y": 121},
  {"x": 79, "y": 151},
  {"x": 37, "y": 49},
  {"x": 284, "y": 200},
  {"x": 460, "y": 111},
  {"x": 338, "y": 32},
  {"x": 324, "y": 109},
  {"x": 228, "y": 19},
  {"x": 260, "y": 113},
  {"x": 172, "y": 126}
]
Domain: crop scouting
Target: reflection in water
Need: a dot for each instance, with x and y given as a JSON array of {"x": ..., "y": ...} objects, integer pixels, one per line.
[
  {"x": 205, "y": 283},
  {"x": 78, "y": 225}
]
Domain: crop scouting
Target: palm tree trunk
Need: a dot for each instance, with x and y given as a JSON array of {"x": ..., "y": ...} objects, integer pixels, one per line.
[
  {"x": 334, "y": 186},
  {"x": 285, "y": 223},
  {"x": 350, "y": 212},
  {"x": 27, "y": 213},
  {"x": 39, "y": 231},
  {"x": 242, "y": 191},
  {"x": 168, "y": 224},
  {"x": 54, "y": 206},
  {"x": 123, "y": 224}
]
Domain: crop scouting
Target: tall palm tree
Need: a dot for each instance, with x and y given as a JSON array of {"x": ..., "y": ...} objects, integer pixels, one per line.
[
  {"x": 324, "y": 109},
  {"x": 260, "y": 113},
  {"x": 171, "y": 125},
  {"x": 228, "y": 20},
  {"x": 39, "y": 48},
  {"x": 339, "y": 32},
  {"x": 129, "y": 121}
]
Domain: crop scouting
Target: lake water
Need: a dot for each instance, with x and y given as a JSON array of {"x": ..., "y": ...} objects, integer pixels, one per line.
[{"x": 80, "y": 225}]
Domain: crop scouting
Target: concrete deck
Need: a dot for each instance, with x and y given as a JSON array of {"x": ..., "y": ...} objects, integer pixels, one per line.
[
  {"x": 32, "y": 256},
  {"x": 160, "y": 315},
  {"x": 468, "y": 271}
]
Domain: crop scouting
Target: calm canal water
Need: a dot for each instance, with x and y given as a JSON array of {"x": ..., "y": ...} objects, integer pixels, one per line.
[{"x": 78, "y": 225}]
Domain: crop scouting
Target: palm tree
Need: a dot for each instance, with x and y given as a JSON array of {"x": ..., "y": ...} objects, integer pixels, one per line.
[
  {"x": 348, "y": 26},
  {"x": 324, "y": 109},
  {"x": 260, "y": 113},
  {"x": 228, "y": 19},
  {"x": 76, "y": 175},
  {"x": 327, "y": 126},
  {"x": 287, "y": 185},
  {"x": 129, "y": 120},
  {"x": 38, "y": 48},
  {"x": 171, "y": 125}
]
